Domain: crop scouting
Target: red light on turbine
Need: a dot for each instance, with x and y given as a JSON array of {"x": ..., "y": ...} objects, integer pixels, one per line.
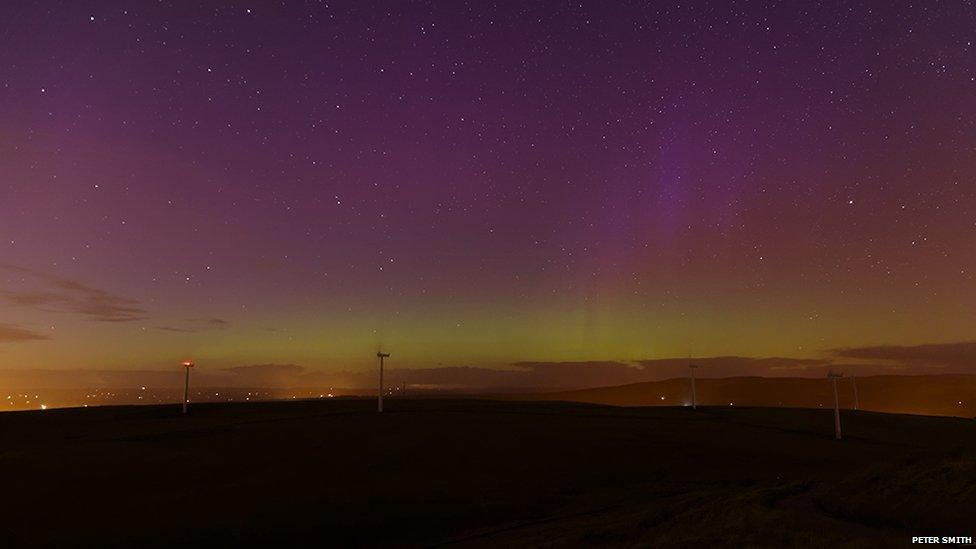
[{"x": 188, "y": 364}]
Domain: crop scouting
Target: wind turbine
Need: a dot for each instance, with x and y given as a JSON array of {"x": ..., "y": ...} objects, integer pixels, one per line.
[
  {"x": 833, "y": 381},
  {"x": 856, "y": 402},
  {"x": 693, "y": 367},
  {"x": 379, "y": 402},
  {"x": 187, "y": 364}
]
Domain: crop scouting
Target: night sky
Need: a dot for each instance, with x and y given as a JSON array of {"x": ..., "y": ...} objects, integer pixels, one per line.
[{"x": 482, "y": 183}]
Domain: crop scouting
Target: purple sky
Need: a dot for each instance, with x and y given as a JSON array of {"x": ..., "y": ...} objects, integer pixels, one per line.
[{"x": 481, "y": 184}]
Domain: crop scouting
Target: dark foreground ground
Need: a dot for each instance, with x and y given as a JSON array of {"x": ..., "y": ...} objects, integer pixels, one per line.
[{"x": 480, "y": 473}]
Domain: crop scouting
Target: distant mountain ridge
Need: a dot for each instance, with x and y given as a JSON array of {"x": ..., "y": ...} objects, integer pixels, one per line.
[{"x": 943, "y": 395}]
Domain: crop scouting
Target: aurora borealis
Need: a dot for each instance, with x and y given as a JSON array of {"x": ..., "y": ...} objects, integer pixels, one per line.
[{"x": 483, "y": 184}]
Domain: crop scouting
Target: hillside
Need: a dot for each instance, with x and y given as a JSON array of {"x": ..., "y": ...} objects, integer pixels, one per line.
[{"x": 476, "y": 473}]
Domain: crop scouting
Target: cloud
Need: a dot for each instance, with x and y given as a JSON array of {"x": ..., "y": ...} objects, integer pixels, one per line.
[
  {"x": 936, "y": 355},
  {"x": 51, "y": 293},
  {"x": 735, "y": 366},
  {"x": 214, "y": 322},
  {"x": 10, "y": 333},
  {"x": 194, "y": 325}
]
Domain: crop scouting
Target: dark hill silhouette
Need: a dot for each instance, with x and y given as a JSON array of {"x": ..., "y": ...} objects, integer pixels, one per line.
[{"x": 479, "y": 473}]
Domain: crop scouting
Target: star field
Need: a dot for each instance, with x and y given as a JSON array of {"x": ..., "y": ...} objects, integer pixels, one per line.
[{"x": 473, "y": 183}]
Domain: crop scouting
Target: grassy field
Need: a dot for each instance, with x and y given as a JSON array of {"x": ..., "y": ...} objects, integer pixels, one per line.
[{"x": 480, "y": 473}]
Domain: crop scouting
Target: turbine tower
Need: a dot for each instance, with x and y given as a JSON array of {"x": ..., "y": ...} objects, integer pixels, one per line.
[
  {"x": 833, "y": 381},
  {"x": 379, "y": 402},
  {"x": 857, "y": 404},
  {"x": 694, "y": 402},
  {"x": 187, "y": 364}
]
